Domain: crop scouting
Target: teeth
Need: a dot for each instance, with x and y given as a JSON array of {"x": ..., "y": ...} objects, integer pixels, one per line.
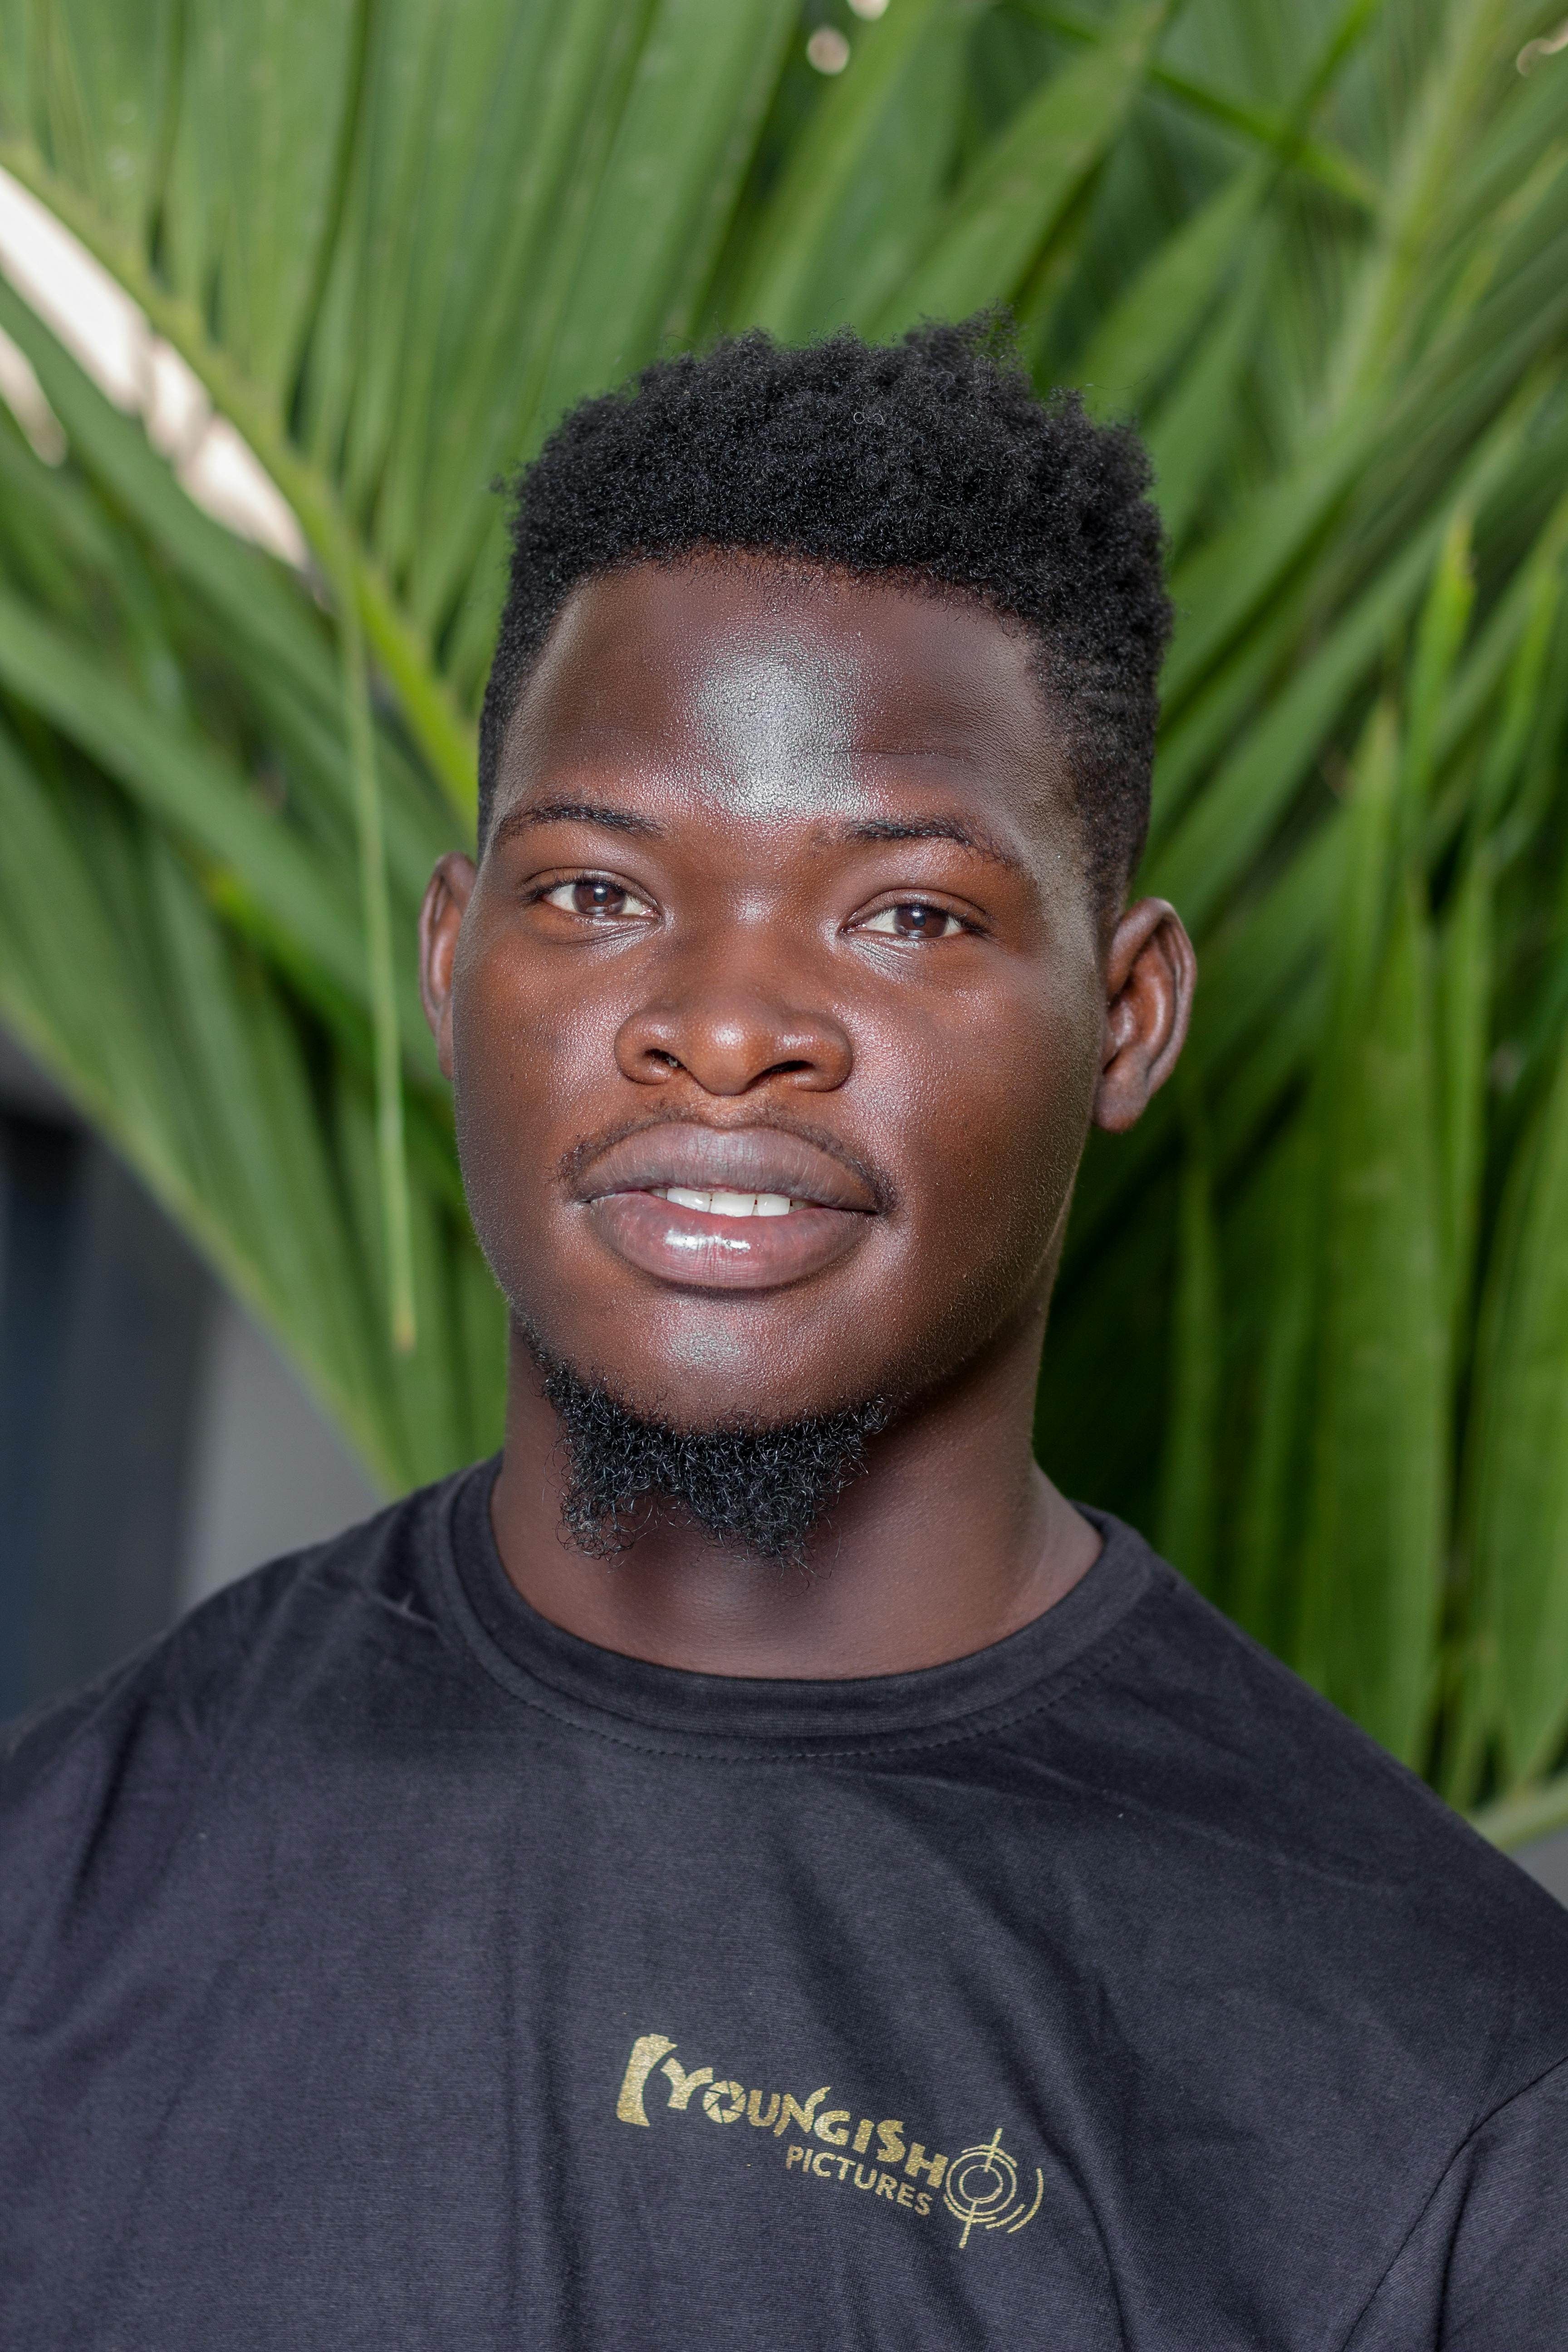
[{"x": 727, "y": 1204}]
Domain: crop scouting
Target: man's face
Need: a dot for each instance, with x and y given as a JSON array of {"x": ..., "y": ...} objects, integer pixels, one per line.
[{"x": 784, "y": 902}]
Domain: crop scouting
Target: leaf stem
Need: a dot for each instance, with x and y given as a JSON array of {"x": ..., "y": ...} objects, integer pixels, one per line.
[
  {"x": 1336, "y": 170},
  {"x": 391, "y": 1155}
]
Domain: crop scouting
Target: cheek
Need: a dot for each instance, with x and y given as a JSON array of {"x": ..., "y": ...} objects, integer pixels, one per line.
[
  {"x": 523, "y": 1057},
  {"x": 998, "y": 1118}
]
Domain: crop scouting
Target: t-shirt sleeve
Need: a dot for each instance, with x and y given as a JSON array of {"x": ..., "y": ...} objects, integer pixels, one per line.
[{"x": 1486, "y": 2267}]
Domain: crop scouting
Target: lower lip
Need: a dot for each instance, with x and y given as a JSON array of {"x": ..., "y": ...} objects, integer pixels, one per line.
[{"x": 685, "y": 1245}]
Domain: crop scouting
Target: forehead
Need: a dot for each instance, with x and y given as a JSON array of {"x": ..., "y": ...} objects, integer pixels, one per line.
[{"x": 779, "y": 686}]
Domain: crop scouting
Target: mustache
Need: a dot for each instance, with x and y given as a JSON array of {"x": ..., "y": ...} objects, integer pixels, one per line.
[{"x": 575, "y": 1163}]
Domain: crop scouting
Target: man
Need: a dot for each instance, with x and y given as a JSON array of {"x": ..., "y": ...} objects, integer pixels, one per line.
[{"x": 759, "y": 1868}]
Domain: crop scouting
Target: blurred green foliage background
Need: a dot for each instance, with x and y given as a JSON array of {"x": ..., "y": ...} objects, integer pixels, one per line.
[{"x": 1313, "y": 1327}]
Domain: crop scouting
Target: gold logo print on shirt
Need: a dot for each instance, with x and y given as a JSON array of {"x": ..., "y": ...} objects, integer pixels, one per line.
[{"x": 983, "y": 2189}]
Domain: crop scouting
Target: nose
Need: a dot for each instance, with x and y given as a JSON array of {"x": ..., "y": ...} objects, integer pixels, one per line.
[{"x": 730, "y": 1040}]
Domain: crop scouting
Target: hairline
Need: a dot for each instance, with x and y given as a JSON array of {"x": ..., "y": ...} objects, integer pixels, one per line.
[{"x": 916, "y": 580}]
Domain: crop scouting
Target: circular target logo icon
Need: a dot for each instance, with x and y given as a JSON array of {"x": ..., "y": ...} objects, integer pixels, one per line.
[{"x": 981, "y": 2190}]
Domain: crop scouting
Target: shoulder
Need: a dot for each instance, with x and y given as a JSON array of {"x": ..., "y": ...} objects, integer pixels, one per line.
[
  {"x": 107, "y": 1778},
  {"x": 1226, "y": 1732},
  {"x": 1486, "y": 2264},
  {"x": 1303, "y": 1849},
  {"x": 1191, "y": 1714}
]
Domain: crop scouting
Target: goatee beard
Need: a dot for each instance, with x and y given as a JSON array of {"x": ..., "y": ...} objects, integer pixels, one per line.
[{"x": 744, "y": 1482}]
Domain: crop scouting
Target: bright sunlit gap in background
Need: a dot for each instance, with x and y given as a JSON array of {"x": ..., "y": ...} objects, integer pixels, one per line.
[
  {"x": 103, "y": 328},
  {"x": 828, "y": 50}
]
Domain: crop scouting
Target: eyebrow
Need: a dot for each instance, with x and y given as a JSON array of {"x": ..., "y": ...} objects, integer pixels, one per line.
[
  {"x": 936, "y": 828},
  {"x": 613, "y": 820}
]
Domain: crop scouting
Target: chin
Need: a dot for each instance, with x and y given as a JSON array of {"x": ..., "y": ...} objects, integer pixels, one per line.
[
  {"x": 697, "y": 1359},
  {"x": 705, "y": 1377},
  {"x": 701, "y": 1360}
]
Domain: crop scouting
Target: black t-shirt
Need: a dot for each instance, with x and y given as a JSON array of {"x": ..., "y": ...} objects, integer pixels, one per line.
[{"x": 383, "y": 1967}]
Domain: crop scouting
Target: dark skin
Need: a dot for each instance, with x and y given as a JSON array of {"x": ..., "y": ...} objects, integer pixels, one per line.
[{"x": 784, "y": 899}]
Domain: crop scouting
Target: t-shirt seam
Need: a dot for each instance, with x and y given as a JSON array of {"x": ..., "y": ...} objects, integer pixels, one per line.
[
  {"x": 1000, "y": 1716},
  {"x": 993, "y": 1720},
  {"x": 1521, "y": 2091}
]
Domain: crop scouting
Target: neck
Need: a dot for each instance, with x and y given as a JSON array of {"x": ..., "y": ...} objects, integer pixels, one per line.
[{"x": 950, "y": 1539}]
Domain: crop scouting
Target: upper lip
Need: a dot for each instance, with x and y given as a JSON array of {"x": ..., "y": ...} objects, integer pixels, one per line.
[{"x": 731, "y": 1160}]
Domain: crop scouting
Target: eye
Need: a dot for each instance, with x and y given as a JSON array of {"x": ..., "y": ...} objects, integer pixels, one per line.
[
  {"x": 595, "y": 895},
  {"x": 914, "y": 919}
]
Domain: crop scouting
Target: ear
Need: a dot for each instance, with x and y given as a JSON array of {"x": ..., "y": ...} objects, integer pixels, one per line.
[
  {"x": 440, "y": 920},
  {"x": 1151, "y": 973}
]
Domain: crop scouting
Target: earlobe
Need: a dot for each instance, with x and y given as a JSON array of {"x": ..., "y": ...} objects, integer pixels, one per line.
[
  {"x": 440, "y": 921},
  {"x": 1151, "y": 973}
]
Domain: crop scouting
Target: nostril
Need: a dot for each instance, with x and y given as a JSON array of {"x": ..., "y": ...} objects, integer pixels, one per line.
[{"x": 727, "y": 1044}]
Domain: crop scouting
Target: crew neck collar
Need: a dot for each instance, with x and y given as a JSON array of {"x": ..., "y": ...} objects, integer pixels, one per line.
[{"x": 669, "y": 1708}]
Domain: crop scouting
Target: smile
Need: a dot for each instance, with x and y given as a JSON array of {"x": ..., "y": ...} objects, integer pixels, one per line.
[{"x": 726, "y": 1209}]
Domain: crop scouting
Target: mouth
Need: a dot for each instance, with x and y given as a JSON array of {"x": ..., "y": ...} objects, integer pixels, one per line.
[{"x": 738, "y": 1209}]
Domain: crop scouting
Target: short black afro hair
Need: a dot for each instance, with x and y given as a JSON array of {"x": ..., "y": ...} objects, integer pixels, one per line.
[{"x": 931, "y": 459}]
